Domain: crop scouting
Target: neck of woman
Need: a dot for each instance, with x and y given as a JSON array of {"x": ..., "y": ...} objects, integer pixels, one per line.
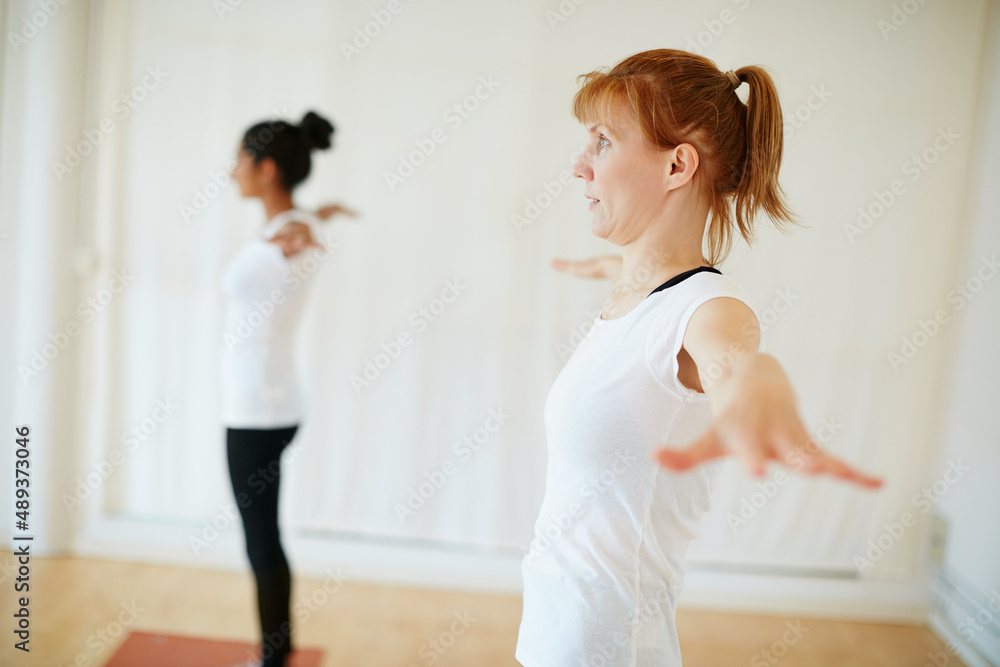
[
  {"x": 667, "y": 248},
  {"x": 276, "y": 201}
]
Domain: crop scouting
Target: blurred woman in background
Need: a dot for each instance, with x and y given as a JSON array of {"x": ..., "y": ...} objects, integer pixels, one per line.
[{"x": 265, "y": 284}]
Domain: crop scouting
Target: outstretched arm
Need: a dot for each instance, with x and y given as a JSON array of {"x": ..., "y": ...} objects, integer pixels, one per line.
[
  {"x": 752, "y": 400},
  {"x": 609, "y": 266},
  {"x": 330, "y": 210}
]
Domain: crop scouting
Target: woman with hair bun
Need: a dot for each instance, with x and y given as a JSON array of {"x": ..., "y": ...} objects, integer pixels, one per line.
[
  {"x": 265, "y": 294},
  {"x": 674, "y": 157}
]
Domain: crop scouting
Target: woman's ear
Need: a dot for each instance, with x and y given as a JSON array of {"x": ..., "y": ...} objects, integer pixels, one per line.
[
  {"x": 268, "y": 171},
  {"x": 681, "y": 163}
]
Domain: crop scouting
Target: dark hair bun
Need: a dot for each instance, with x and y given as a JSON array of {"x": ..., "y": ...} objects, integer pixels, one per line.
[{"x": 315, "y": 131}]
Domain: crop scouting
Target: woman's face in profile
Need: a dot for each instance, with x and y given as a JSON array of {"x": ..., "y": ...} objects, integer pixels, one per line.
[
  {"x": 623, "y": 175},
  {"x": 247, "y": 174}
]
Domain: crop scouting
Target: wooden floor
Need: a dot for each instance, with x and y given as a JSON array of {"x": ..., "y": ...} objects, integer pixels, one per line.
[{"x": 77, "y": 605}]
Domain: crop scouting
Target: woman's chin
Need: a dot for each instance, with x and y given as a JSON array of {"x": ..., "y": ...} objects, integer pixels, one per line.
[{"x": 599, "y": 228}]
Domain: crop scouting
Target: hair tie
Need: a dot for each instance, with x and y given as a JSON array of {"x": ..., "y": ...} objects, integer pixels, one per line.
[{"x": 734, "y": 79}]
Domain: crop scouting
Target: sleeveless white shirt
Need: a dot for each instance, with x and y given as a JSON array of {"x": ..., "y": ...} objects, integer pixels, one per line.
[
  {"x": 606, "y": 565},
  {"x": 265, "y": 293}
]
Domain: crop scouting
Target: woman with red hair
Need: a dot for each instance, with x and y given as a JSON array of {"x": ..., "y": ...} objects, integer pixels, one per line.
[{"x": 674, "y": 156}]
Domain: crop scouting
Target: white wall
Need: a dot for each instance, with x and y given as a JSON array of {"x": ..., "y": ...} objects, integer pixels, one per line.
[
  {"x": 854, "y": 295},
  {"x": 967, "y": 608},
  {"x": 44, "y": 93}
]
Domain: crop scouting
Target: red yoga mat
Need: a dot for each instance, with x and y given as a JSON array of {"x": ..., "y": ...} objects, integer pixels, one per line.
[{"x": 143, "y": 649}]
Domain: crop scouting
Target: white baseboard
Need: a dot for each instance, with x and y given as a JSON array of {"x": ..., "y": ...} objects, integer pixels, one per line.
[
  {"x": 362, "y": 558},
  {"x": 957, "y": 646},
  {"x": 966, "y": 619},
  {"x": 442, "y": 566},
  {"x": 869, "y": 600}
]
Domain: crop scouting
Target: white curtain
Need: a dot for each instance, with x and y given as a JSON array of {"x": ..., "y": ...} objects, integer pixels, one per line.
[{"x": 835, "y": 302}]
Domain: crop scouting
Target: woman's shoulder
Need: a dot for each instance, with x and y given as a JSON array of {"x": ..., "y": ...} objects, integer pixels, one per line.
[
  {"x": 708, "y": 281},
  {"x": 680, "y": 299},
  {"x": 290, "y": 219}
]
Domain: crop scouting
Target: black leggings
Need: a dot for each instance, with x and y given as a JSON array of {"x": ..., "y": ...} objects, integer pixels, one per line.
[{"x": 255, "y": 471}]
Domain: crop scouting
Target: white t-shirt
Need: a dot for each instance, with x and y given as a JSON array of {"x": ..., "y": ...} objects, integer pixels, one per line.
[
  {"x": 265, "y": 293},
  {"x": 606, "y": 565}
]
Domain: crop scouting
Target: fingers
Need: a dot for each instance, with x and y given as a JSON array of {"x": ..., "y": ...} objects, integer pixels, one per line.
[
  {"x": 806, "y": 458},
  {"x": 841, "y": 470},
  {"x": 704, "y": 449},
  {"x": 330, "y": 210},
  {"x": 583, "y": 269},
  {"x": 796, "y": 450},
  {"x": 809, "y": 459},
  {"x": 299, "y": 241},
  {"x": 752, "y": 460},
  {"x": 709, "y": 446},
  {"x": 342, "y": 210},
  {"x": 293, "y": 244},
  {"x": 566, "y": 266}
]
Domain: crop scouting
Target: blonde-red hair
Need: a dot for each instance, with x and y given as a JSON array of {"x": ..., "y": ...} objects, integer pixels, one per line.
[{"x": 678, "y": 97}]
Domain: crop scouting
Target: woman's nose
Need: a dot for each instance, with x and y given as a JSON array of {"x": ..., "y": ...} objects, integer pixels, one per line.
[{"x": 581, "y": 167}]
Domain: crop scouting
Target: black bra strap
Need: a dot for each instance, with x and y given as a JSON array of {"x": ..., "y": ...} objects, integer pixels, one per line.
[{"x": 682, "y": 276}]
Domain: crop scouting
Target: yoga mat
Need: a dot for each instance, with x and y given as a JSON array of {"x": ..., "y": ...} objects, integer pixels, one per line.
[{"x": 145, "y": 649}]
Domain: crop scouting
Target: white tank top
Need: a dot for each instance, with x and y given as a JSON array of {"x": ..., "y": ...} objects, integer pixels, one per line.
[
  {"x": 605, "y": 567},
  {"x": 265, "y": 293}
]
